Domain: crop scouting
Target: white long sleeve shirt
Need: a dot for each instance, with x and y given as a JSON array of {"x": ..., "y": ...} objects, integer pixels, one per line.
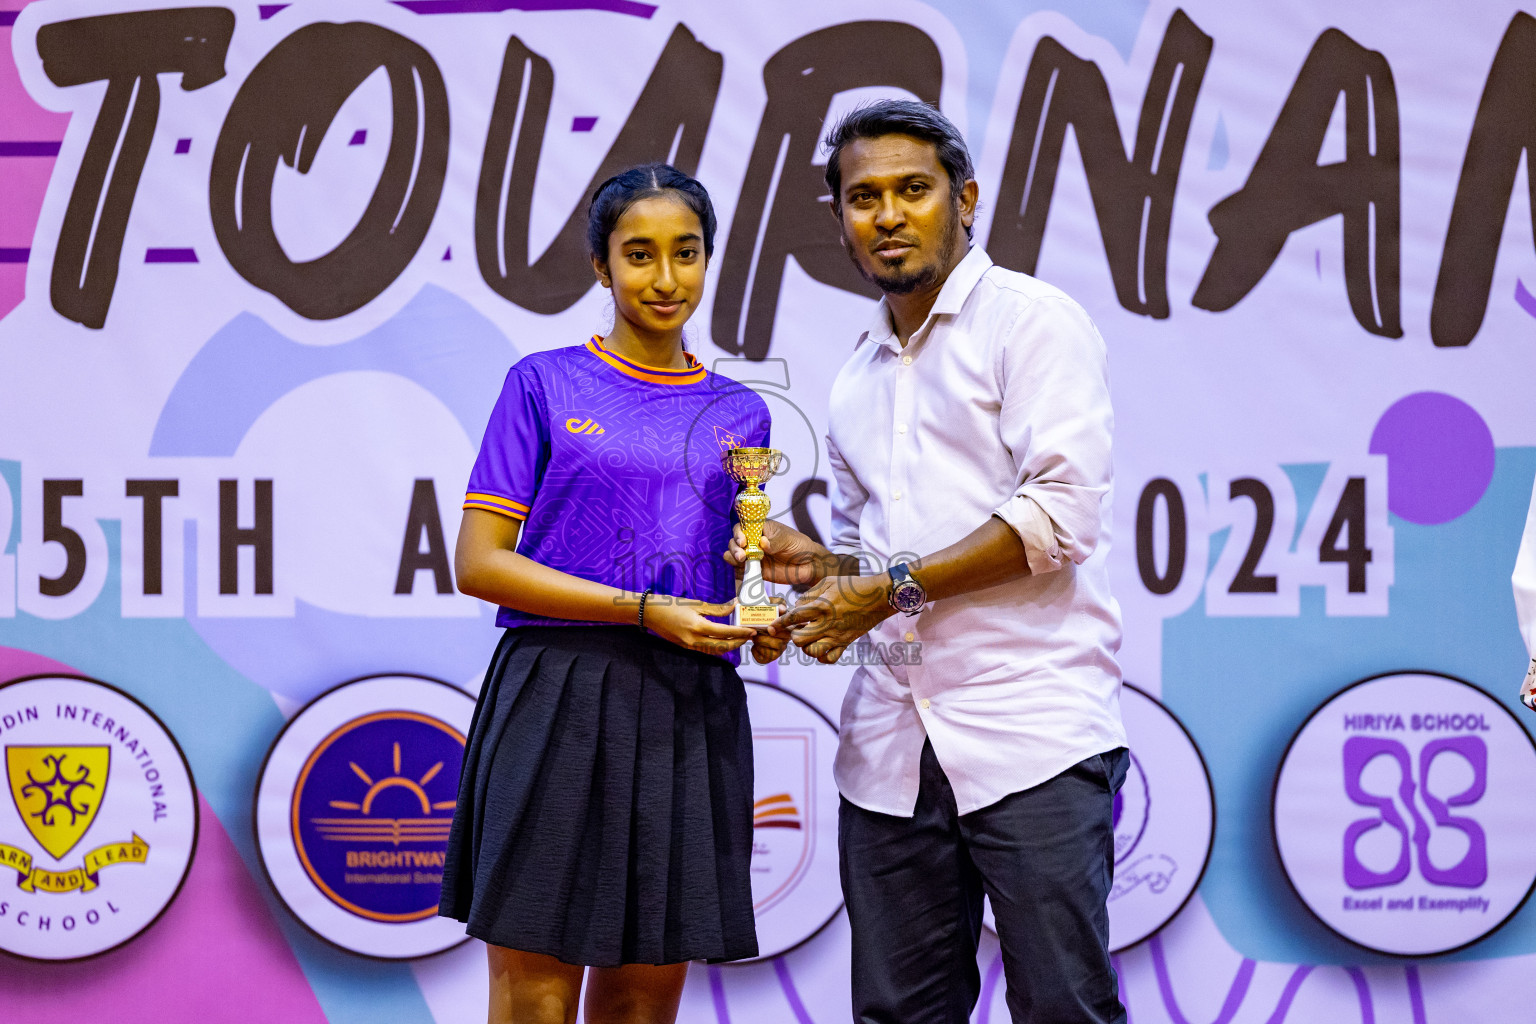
[
  {"x": 998, "y": 405},
  {"x": 1524, "y": 580}
]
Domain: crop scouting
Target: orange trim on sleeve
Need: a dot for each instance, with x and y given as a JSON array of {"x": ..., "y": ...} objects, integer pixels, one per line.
[
  {"x": 498, "y": 509},
  {"x": 496, "y": 499}
]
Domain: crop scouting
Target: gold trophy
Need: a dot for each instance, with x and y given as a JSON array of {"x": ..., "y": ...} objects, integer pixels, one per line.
[{"x": 752, "y": 466}]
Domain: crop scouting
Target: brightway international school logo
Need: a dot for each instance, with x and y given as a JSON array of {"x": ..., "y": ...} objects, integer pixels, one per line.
[
  {"x": 353, "y": 811},
  {"x": 1402, "y": 813},
  {"x": 98, "y": 831},
  {"x": 795, "y": 888},
  {"x": 1164, "y": 821}
]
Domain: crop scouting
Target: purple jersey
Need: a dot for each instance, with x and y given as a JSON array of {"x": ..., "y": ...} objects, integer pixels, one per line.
[{"x": 615, "y": 468}]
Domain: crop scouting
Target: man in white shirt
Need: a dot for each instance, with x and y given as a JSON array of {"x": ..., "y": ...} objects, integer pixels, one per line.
[
  {"x": 971, "y": 426},
  {"x": 1524, "y": 580}
]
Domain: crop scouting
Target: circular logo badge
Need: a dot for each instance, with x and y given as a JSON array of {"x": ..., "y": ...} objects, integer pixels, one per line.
[
  {"x": 795, "y": 887},
  {"x": 1401, "y": 814},
  {"x": 1164, "y": 820},
  {"x": 353, "y": 811},
  {"x": 100, "y": 819}
]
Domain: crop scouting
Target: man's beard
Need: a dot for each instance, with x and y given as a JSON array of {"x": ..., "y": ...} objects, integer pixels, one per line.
[{"x": 901, "y": 281}]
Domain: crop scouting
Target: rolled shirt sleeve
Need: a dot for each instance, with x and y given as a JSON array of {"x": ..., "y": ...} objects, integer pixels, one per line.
[
  {"x": 1057, "y": 423},
  {"x": 1027, "y": 519}
]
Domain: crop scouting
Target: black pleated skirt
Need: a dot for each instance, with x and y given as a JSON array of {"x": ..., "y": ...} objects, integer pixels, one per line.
[{"x": 605, "y": 804}]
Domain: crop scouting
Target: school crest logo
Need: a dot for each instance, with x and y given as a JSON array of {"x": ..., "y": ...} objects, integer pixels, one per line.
[
  {"x": 1164, "y": 821},
  {"x": 795, "y": 889},
  {"x": 1132, "y": 805},
  {"x": 1402, "y": 813},
  {"x": 353, "y": 812},
  {"x": 98, "y": 834},
  {"x": 58, "y": 791},
  {"x": 782, "y": 838}
]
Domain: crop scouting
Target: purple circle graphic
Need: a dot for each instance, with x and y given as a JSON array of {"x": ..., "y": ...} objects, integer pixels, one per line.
[{"x": 1439, "y": 456}]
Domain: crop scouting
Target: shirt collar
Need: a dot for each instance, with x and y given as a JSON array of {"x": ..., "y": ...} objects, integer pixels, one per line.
[
  {"x": 957, "y": 288},
  {"x": 653, "y": 374}
]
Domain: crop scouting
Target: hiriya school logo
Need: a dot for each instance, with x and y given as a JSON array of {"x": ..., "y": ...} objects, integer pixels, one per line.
[
  {"x": 1164, "y": 818},
  {"x": 100, "y": 823},
  {"x": 795, "y": 888},
  {"x": 1402, "y": 813},
  {"x": 353, "y": 811}
]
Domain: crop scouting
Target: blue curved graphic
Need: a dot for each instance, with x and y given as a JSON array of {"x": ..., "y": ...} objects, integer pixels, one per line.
[
  {"x": 1451, "y": 609},
  {"x": 438, "y": 340},
  {"x": 262, "y": 650}
]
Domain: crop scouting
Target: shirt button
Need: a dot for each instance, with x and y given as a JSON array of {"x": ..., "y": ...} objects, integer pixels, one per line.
[
  {"x": 925, "y": 703},
  {"x": 911, "y": 636},
  {"x": 906, "y": 360},
  {"x": 896, "y": 496}
]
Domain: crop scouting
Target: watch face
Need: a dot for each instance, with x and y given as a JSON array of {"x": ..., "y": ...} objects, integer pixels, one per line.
[{"x": 908, "y": 596}]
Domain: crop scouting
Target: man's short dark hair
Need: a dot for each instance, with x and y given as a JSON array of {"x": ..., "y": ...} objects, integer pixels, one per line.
[{"x": 899, "y": 117}]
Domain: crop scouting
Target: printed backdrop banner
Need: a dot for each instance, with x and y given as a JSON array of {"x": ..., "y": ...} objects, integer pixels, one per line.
[{"x": 264, "y": 266}]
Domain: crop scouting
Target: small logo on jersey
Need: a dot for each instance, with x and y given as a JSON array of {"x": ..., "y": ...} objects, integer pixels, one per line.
[
  {"x": 81, "y": 807},
  {"x": 577, "y": 425},
  {"x": 355, "y": 805},
  {"x": 727, "y": 440}
]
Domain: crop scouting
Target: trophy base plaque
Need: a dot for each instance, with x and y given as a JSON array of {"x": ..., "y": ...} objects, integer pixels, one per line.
[
  {"x": 756, "y": 614},
  {"x": 752, "y": 607}
]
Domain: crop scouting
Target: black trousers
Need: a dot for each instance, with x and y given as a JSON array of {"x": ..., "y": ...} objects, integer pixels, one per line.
[{"x": 914, "y": 886}]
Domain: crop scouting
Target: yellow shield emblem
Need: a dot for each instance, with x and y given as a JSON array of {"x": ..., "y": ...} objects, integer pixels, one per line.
[{"x": 57, "y": 791}]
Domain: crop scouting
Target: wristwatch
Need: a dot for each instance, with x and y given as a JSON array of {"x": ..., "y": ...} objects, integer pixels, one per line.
[{"x": 907, "y": 595}]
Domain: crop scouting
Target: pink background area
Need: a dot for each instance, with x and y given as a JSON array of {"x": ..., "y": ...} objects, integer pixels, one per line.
[
  {"x": 215, "y": 955},
  {"x": 23, "y": 179}
]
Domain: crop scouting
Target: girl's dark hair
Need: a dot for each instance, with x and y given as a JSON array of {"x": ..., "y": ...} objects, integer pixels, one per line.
[{"x": 627, "y": 188}]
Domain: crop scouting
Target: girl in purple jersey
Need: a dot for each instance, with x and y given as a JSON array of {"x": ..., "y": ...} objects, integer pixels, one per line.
[{"x": 604, "y": 816}]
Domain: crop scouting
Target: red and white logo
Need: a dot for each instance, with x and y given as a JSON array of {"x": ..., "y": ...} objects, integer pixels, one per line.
[{"x": 795, "y": 888}]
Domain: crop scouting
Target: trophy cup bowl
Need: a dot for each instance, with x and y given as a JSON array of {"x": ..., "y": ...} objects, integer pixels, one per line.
[{"x": 752, "y": 466}]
